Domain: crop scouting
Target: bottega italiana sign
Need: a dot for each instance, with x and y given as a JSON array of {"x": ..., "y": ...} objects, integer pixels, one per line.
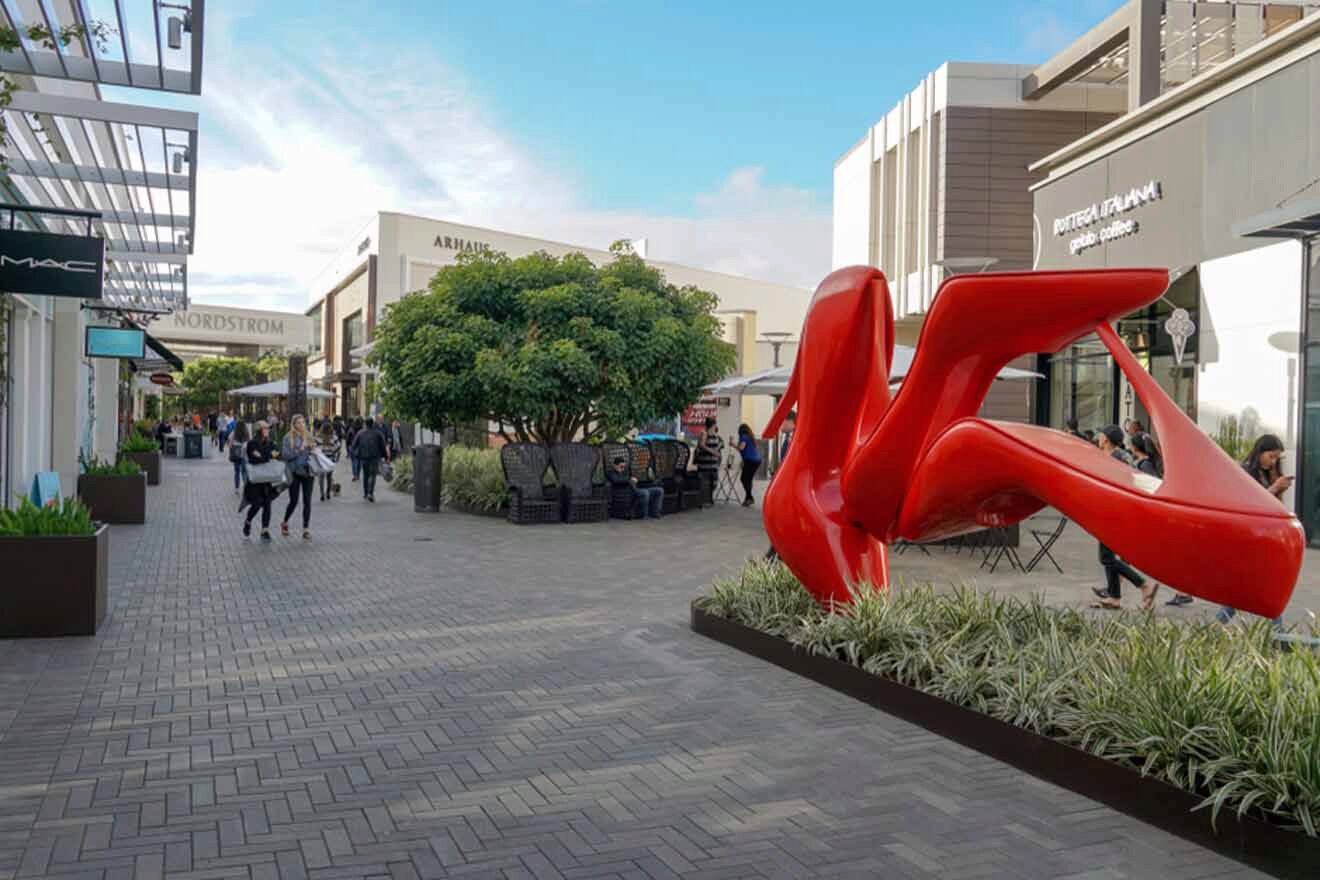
[{"x": 1106, "y": 211}]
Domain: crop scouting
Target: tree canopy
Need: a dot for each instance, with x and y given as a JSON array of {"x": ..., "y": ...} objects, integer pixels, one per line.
[
  {"x": 551, "y": 348},
  {"x": 273, "y": 366},
  {"x": 205, "y": 380}
]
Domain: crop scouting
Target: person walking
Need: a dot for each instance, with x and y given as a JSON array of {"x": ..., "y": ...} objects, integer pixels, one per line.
[
  {"x": 296, "y": 452},
  {"x": 710, "y": 446},
  {"x": 238, "y": 455},
  {"x": 1110, "y": 440},
  {"x": 354, "y": 428},
  {"x": 1149, "y": 459},
  {"x": 369, "y": 447},
  {"x": 259, "y": 450},
  {"x": 329, "y": 444},
  {"x": 1265, "y": 465},
  {"x": 397, "y": 445},
  {"x": 751, "y": 461}
]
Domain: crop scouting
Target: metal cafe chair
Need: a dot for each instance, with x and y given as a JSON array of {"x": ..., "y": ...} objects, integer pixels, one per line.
[
  {"x": 1045, "y": 540},
  {"x": 1001, "y": 549},
  {"x": 730, "y": 489},
  {"x": 901, "y": 546}
]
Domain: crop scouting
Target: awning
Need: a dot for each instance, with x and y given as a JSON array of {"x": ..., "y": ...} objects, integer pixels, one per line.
[
  {"x": 775, "y": 381},
  {"x": 1301, "y": 220},
  {"x": 278, "y": 388},
  {"x": 166, "y": 355}
]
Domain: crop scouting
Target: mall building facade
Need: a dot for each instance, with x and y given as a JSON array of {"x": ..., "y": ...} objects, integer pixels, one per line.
[
  {"x": 395, "y": 254},
  {"x": 1198, "y": 152}
]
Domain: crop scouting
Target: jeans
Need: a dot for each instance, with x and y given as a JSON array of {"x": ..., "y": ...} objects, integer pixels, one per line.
[
  {"x": 300, "y": 485},
  {"x": 370, "y": 467},
  {"x": 1116, "y": 568},
  {"x": 357, "y": 464},
  {"x": 240, "y": 472},
  {"x": 264, "y": 507},
  {"x": 749, "y": 469},
  {"x": 1227, "y": 613},
  {"x": 223, "y": 437},
  {"x": 327, "y": 483},
  {"x": 648, "y": 500}
]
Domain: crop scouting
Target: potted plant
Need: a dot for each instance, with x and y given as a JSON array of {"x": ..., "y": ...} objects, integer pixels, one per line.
[
  {"x": 55, "y": 560},
  {"x": 115, "y": 493},
  {"x": 146, "y": 452}
]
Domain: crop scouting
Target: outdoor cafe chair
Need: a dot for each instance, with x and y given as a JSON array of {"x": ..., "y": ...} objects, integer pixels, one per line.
[
  {"x": 664, "y": 464},
  {"x": 689, "y": 481},
  {"x": 621, "y": 502},
  {"x": 584, "y": 497},
  {"x": 1045, "y": 540},
  {"x": 530, "y": 500}
]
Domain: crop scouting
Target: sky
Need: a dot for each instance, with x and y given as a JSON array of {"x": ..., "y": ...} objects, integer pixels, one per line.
[{"x": 710, "y": 129}]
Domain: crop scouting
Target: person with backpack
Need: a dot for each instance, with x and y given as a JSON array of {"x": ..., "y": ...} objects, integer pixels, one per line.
[{"x": 369, "y": 447}]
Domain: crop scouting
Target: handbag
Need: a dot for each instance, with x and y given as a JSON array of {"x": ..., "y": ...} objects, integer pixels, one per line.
[
  {"x": 387, "y": 471},
  {"x": 266, "y": 472},
  {"x": 235, "y": 452},
  {"x": 319, "y": 463}
]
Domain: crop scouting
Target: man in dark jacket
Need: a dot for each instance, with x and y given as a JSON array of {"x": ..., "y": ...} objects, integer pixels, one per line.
[{"x": 369, "y": 447}]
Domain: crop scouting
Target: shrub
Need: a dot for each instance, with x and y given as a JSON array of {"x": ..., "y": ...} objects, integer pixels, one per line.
[
  {"x": 69, "y": 517},
  {"x": 1222, "y": 712},
  {"x": 403, "y": 473},
  {"x": 138, "y": 442},
  {"x": 473, "y": 479},
  {"x": 145, "y": 427},
  {"x": 124, "y": 467}
]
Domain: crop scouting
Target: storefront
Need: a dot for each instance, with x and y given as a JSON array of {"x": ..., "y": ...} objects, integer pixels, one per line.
[{"x": 1190, "y": 182}]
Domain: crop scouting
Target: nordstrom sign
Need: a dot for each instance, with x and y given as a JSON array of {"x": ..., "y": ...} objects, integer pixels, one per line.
[{"x": 229, "y": 323}]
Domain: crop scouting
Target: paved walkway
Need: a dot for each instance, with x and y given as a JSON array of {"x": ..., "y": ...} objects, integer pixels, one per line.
[{"x": 452, "y": 696}]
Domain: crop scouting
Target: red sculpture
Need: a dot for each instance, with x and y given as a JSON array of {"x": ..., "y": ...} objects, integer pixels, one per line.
[{"x": 866, "y": 470}]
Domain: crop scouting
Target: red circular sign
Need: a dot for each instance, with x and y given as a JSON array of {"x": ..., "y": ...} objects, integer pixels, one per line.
[{"x": 162, "y": 379}]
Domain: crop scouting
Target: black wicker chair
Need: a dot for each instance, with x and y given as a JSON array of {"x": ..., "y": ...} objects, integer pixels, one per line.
[
  {"x": 530, "y": 501},
  {"x": 688, "y": 481},
  {"x": 664, "y": 462},
  {"x": 584, "y": 498},
  {"x": 620, "y": 497}
]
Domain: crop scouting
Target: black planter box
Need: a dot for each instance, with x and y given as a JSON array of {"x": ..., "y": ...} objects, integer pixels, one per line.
[
  {"x": 115, "y": 499},
  {"x": 150, "y": 462},
  {"x": 1250, "y": 841},
  {"x": 54, "y": 585}
]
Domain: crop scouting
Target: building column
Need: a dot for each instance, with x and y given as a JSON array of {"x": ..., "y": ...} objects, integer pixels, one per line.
[
  {"x": 68, "y": 392},
  {"x": 1144, "y": 52},
  {"x": 105, "y": 428}
]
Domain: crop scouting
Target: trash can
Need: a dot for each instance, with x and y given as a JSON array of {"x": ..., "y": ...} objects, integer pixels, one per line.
[
  {"x": 192, "y": 444},
  {"x": 427, "y": 462}
]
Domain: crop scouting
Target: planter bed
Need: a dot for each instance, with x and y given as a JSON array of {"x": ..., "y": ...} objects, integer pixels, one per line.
[
  {"x": 150, "y": 462},
  {"x": 115, "y": 499},
  {"x": 498, "y": 513},
  {"x": 54, "y": 585},
  {"x": 1250, "y": 841}
]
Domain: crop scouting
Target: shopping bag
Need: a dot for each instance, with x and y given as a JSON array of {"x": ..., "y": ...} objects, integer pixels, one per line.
[
  {"x": 319, "y": 463},
  {"x": 266, "y": 472},
  {"x": 387, "y": 471}
]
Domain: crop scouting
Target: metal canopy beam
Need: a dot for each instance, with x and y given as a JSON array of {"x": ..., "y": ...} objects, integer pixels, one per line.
[
  {"x": 1301, "y": 220},
  {"x": 103, "y": 111},
  {"x": 1081, "y": 55}
]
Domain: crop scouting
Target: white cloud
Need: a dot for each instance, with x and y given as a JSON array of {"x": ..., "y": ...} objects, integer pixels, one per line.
[{"x": 299, "y": 149}]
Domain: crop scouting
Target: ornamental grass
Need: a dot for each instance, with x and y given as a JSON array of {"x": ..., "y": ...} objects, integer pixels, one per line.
[{"x": 1225, "y": 712}]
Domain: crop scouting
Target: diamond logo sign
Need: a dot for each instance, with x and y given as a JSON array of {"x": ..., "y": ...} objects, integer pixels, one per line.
[{"x": 1180, "y": 328}]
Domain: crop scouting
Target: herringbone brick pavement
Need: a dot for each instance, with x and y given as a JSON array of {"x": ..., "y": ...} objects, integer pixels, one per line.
[{"x": 451, "y": 696}]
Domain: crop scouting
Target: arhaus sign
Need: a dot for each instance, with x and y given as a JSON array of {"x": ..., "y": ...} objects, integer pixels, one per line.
[{"x": 449, "y": 242}]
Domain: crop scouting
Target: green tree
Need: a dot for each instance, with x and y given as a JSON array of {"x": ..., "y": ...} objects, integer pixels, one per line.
[
  {"x": 273, "y": 366},
  {"x": 205, "y": 381},
  {"x": 550, "y": 348}
]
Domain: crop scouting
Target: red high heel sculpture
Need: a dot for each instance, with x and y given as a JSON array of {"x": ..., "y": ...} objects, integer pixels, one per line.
[{"x": 865, "y": 471}]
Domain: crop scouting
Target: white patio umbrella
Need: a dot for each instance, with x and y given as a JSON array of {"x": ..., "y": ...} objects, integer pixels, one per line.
[
  {"x": 775, "y": 381},
  {"x": 278, "y": 388}
]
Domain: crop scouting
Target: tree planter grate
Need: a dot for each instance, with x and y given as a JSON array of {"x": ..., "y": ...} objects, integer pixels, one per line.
[{"x": 1250, "y": 841}]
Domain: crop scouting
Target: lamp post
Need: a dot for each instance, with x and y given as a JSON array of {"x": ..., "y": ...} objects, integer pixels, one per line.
[{"x": 777, "y": 339}]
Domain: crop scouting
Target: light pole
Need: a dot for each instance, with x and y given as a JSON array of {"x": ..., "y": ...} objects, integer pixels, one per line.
[{"x": 777, "y": 339}]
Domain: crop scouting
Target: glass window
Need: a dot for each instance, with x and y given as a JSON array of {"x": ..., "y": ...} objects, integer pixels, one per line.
[
  {"x": 317, "y": 332},
  {"x": 1082, "y": 385},
  {"x": 1307, "y": 491},
  {"x": 352, "y": 336}
]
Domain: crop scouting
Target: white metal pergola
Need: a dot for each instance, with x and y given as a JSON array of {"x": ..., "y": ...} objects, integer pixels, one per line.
[{"x": 135, "y": 165}]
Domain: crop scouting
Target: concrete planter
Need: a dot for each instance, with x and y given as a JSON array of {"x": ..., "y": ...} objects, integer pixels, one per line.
[
  {"x": 54, "y": 585},
  {"x": 150, "y": 462},
  {"x": 1248, "y": 840},
  {"x": 115, "y": 499}
]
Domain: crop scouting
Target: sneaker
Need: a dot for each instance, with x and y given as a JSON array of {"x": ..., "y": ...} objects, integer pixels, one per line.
[
  {"x": 371, "y": 498},
  {"x": 265, "y": 534},
  {"x": 247, "y": 528},
  {"x": 307, "y": 534},
  {"x": 284, "y": 529},
  {"x": 1179, "y": 600}
]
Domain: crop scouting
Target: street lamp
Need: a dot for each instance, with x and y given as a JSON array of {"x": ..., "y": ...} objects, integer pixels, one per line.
[{"x": 777, "y": 339}]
